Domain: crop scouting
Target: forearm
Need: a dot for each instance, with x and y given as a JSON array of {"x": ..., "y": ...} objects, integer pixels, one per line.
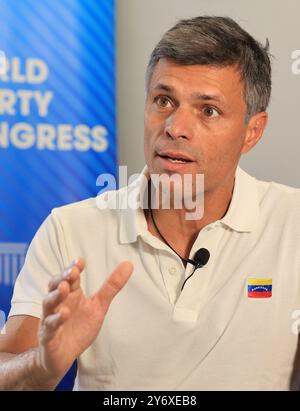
[{"x": 21, "y": 372}]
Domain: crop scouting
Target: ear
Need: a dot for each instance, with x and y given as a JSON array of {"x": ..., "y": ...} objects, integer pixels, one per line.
[{"x": 255, "y": 129}]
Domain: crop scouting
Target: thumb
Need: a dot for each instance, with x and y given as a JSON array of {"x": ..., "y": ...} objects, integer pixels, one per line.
[{"x": 114, "y": 283}]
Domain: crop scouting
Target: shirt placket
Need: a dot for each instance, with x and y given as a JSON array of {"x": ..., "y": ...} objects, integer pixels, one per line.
[{"x": 197, "y": 289}]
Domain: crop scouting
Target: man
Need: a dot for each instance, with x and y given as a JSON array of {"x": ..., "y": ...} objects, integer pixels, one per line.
[{"x": 229, "y": 326}]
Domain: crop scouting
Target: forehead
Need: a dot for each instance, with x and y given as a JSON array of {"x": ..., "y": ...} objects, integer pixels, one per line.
[{"x": 224, "y": 82}]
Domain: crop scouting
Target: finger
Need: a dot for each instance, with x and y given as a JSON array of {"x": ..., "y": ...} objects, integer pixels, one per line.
[
  {"x": 70, "y": 274},
  {"x": 74, "y": 278},
  {"x": 52, "y": 322},
  {"x": 114, "y": 284},
  {"x": 55, "y": 298},
  {"x": 75, "y": 284}
]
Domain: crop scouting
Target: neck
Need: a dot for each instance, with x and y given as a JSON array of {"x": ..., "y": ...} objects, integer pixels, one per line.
[{"x": 181, "y": 233}]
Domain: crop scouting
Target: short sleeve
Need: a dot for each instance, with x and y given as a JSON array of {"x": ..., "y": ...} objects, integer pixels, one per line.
[{"x": 46, "y": 257}]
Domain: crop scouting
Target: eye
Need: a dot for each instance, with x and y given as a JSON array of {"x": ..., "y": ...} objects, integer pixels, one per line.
[
  {"x": 162, "y": 101},
  {"x": 210, "y": 112}
]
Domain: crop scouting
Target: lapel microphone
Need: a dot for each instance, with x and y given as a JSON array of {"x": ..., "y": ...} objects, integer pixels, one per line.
[{"x": 201, "y": 256}]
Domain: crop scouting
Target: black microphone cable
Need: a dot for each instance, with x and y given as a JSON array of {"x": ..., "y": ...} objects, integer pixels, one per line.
[{"x": 200, "y": 259}]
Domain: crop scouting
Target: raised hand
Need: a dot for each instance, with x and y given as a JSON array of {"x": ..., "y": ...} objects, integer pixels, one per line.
[{"x": 71, "y": 321}]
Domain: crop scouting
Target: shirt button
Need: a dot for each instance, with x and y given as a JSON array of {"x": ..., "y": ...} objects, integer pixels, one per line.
[{"x": 172, "y": 270}]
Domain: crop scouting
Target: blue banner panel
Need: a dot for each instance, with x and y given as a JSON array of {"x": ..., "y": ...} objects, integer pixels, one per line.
[{"x": 57, "y": 115}]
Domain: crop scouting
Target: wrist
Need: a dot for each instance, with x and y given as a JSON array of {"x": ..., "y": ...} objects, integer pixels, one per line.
[{"x": 41, "y": 378}]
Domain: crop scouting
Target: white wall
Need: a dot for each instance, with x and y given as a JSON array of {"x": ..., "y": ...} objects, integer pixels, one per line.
[{"x": 140, "y": 25}]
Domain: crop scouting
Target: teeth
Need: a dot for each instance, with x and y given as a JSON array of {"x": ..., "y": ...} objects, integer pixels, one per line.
[{"x": 173, "y": 160}]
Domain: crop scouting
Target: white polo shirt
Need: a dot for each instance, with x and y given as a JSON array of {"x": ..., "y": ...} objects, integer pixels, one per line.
[{"x": 210, "y": 336}]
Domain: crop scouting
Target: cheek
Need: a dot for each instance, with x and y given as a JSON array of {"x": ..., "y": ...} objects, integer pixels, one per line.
[
  {"x": 153, "y": 128},
  {"x": 234, "y": 137},
  {"x": 148, "y": 126},
  {"x": 147, "y": 133},
  {"x": 225, "y": 147},
  {"x": 149, "y": 138}
]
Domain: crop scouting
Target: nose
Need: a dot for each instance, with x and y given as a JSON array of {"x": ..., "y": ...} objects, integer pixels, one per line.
[{"x": 179, "y": 124}]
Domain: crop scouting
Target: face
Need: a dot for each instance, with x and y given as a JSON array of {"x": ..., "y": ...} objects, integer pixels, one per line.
[{"x": 195, "y": 122}]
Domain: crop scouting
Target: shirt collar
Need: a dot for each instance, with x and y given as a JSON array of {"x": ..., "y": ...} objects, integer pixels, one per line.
[
  {"x": 242, "y": 214},
  {"x": 243, "y": 211},
  {"x": 132, "y": 218}
]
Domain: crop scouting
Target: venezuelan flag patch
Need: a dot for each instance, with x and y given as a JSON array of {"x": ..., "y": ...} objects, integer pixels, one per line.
[{"x": 259, "y": 287}]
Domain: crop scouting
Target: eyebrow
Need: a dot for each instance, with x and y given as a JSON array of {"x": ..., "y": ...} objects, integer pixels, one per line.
[{"x": 198, "y": 96}]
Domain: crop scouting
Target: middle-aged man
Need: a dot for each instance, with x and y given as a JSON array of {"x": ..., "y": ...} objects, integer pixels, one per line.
[{"x": 230, "y": 325}]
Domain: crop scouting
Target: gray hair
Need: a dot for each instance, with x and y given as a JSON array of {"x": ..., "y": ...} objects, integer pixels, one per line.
[{"x": 219, "y": 41}]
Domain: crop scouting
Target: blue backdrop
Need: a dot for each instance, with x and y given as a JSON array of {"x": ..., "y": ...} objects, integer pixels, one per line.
[{"x": 57, "y": 115}]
